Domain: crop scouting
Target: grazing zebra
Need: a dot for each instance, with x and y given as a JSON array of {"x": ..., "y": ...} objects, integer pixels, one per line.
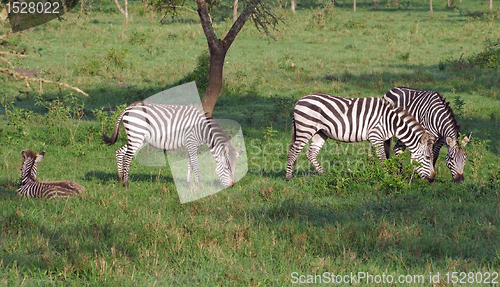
[
  {"x": 169, "y": 127},
  {"x": 436, "y": 116},
  {"x": 31, "y": 187},
  {"x": 321, "y": 116}
]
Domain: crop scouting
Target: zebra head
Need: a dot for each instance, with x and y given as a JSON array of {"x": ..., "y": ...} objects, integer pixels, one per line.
[
  {"x": 226, "y": 163},
  {"x": 423, "y": 154},
  {"x": 455, "y": 159},
  {"x": 28, "y": 167}
]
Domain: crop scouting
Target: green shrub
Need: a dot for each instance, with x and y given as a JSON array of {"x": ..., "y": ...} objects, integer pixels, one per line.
[
  {"x": 488, "y": 59},
  {"x": 200, "y": 73}
]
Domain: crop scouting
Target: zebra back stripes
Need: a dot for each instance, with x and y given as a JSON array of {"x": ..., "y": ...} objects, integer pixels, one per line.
[
  {"x": 318, "y": 117},
  {"x": 436, "y": 116},
  {"x": 169, "y": 127},
  {"x": 31, "y": 187}
]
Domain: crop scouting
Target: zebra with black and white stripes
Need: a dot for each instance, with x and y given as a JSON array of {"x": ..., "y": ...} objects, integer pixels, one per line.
[
  {"x": 169, "y": 127},
  {"x": 436, "y": 116},
  {"x": 30, "y": 187},
  {"x": 318, "y": 117}
]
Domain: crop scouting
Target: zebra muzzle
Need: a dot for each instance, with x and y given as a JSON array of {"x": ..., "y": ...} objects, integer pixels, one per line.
[
  {"x": 459, "y": 177},
  {"x": 431, "y": 177}
]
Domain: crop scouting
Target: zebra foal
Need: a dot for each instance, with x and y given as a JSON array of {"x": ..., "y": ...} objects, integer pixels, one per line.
[
  {"x": 169, "y": 127},
  {"x": 31, "y": 187},
  {"x": 318, "y": 117},
  {"x": 435, "y": 115}
]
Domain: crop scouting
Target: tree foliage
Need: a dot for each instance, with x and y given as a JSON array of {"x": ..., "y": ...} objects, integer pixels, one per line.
[{"x": 258, "y": 10}]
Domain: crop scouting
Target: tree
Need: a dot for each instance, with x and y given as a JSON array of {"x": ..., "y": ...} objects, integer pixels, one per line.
[
  {"x": 235, "y": 11},
  {"x": 124, "y": 12},
  {"x": 255, "y": 9}
]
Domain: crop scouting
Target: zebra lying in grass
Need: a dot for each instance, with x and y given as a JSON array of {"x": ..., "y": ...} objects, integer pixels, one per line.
[
  {"x": 435, "y": 115},
  {"x": 169, "y": 127},
  {"x": 31, "y": 187},
  {"x": 321, "y": 116}
]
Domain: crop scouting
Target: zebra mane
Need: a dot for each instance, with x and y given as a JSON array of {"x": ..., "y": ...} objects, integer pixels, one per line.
[
  {"x": 216, "y": 129},
  {"x": 446, "y": 105},
  {"x": 30, "y": 153},
  {"x": 449, "y": 111}
]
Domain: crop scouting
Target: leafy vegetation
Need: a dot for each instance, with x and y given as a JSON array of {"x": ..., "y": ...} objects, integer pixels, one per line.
[{"x": 360, "y": 216}]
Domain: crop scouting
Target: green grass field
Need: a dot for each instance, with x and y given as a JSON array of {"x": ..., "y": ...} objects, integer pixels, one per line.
[{"x": 360, "y": 217}]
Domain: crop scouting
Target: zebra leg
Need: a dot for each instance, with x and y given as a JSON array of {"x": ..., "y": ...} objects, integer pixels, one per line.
[
  {"x": 190, "y": 170},
  {"x": 380, "y": 145},
  {"x": 317, "y": 142},
  {"x": 127, "y": 158},
  {"x": 119, "y": 160},
  {"x": 293, "y": 154},
  {"x": 387, "y": 148},
  {"x": 193, "y": 165},
  {"x": 436, "y": 149}
]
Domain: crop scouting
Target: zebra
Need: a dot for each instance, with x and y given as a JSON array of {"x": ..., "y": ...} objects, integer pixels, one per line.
[
  {"x": 436, "y": 116},
  {"x": 322, "y": 116},
  {"x": 169, "y": 127},
  {"x": 31, "y": 187}
]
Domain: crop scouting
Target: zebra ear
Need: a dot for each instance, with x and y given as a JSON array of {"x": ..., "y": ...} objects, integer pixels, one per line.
[
  {"x": 40, "y": 157},
  {"x": 466, "y": 139},
  {"x": 450, "y": 142}
]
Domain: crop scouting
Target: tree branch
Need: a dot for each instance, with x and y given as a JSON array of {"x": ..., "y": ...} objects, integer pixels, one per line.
[
  {"x": 238, "y": 24},
  {"x": 40, "y": 80},
  {"x": 206, "y": 24}
]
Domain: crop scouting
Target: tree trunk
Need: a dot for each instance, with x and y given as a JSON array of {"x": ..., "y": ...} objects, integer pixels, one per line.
[
  {"x": 374, "y": 4},
  {"x": 281, "y": 4},
  {"x": 491, "y": 4},
  {"x": 431, "y": 6},
  {"x": 235, "y": 10},
  {"x": 449, "y": 5},
  {"x": 354, "y": 6},
  {"x": 218, "y": 49},
  {"x": 293, "y": 4},
  {"x": 124, "y": 12}
]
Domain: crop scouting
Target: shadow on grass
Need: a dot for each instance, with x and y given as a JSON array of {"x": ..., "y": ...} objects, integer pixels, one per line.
[
  {"x": 8, "y": 191},
  {"x": 106, "y": 177},
  {"x": 420, "y": 228},
  {"x": 92, "y": 237}
]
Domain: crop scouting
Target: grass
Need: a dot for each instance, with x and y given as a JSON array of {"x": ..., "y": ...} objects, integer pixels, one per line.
[{"x": 368, "y": 219}]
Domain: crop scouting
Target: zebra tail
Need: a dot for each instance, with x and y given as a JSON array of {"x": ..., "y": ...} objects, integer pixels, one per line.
[
  {"x": 111, "y": 140},
  {"x": 294, "y": 136},
  {"x": 293, "y": 130}
]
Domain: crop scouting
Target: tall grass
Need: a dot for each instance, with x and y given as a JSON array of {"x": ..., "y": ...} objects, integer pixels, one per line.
[{"x": 360, "y": 216}]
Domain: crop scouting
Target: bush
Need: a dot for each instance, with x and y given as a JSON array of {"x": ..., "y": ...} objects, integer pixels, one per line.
[
  {"x": 488, "y": 59},
  {"x": 200, "y": 73}
]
